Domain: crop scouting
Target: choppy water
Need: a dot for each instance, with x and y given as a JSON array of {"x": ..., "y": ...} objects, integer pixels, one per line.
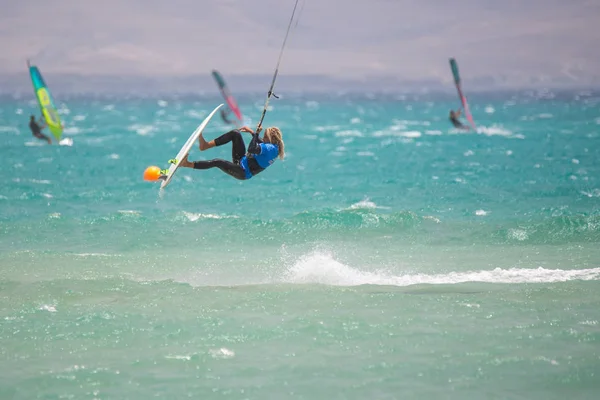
[{"x": 389, "y": 256}]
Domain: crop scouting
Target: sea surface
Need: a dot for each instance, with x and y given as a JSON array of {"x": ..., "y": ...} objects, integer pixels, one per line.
[{"x": 389, "y": 256}]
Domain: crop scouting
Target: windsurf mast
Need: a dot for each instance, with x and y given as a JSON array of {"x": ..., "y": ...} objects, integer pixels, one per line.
[{"x": 270, "y": 92}]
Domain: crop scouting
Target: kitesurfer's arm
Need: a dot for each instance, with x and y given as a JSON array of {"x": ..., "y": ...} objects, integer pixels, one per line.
[
  {"x": 254, "y": 146},
  {"x": 246, "y": 129}
]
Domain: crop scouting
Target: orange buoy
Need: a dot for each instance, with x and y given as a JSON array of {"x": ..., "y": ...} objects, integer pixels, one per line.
[{"x": 152, "y": 173}]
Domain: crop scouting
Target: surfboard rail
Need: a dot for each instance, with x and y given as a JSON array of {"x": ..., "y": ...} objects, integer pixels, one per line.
[{"x": 187, "y": 147}]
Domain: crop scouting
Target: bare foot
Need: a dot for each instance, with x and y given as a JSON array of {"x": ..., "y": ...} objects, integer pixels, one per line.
[
  {"x": 204, "y": 145},
  {"x": 185, "y": 163}
]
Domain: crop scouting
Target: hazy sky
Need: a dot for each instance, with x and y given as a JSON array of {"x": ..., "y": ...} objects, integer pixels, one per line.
[{"x": 514, "y": 39}]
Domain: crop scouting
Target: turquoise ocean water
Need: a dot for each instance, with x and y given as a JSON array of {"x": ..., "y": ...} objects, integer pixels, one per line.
[{"x": 389, "y": 256}]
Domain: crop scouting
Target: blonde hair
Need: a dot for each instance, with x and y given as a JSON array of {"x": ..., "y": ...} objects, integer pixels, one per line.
[{"x": 275, "y": 137}]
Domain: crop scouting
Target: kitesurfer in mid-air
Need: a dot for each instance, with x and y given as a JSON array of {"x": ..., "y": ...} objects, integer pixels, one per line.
[{"x": 260, "y": 154}]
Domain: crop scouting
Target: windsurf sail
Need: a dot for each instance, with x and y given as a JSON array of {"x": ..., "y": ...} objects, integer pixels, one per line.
[
  {"x": 463, "y": 99},
  {"x": 227, "y": 96},
  {"x": 45, "y": 102}
]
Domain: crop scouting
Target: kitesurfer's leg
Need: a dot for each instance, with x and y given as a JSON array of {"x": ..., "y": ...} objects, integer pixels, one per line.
[
  {"x": 231, "y": 169},
  {"x": 238, "y": 147}
]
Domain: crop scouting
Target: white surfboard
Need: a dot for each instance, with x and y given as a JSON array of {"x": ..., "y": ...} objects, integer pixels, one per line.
[{"x": 187, "y": 147}]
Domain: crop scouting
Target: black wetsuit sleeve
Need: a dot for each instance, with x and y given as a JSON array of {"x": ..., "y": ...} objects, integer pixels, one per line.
[
  {"x": 254, "y": 146},
  {"x": 35, "y": 128}
]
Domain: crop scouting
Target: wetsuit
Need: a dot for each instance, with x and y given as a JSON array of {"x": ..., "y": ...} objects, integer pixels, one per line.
[
  {"x": 243, "y": 166},
  {"x": 37, "y": 131},
  {"x": 456, "y": 122},
  {"x": 224, "y": 115}
]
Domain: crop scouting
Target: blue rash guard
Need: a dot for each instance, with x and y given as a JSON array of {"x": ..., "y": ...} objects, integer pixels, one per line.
[{"x": 260, "y": 156}]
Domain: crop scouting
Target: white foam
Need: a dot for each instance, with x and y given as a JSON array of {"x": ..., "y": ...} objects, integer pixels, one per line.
[
  {"x": 397, "y": 133},
  {"x": 481, "y": 213},
  {"x": 327, "y": 128},
  {"x": 403, "y": 123},
  {"x": 48, "y": 307},
  {"x": 72, "y": 130},
  {"x": 114, "y": 156},
  {"x": 47, "y": 195},
  {"x": 41, "y": 181},
  {"x": 545, "y": 116},
  {"x": 355, "y": 121},
  {"x": 183, "y": 358},
  {"x": 365, "y": 154},
  {"x": 518, "y": 234},
  {"x": 363, "y": 204},
  {"x": 79, "y": 118},
  {"x": 322, "y": 268},
  {"x": 592, "y": 193},
  {"x": 494, "y": 131},
  {"x": 162, "y": 103},
  {"x": 433, "y": 133},
  {"x": 193, "y": 217},
  {"x": 352, "y": 132},
  {"x": 66, "y": 142},
  {"x": 195, "y": 114},
  {"x": 468, "y": 153},
  {"x": 411, "y": 134},
  {"x": 129, "y": 212},
  {"x": 490, "y": 110},
  {"x": 143, "y": 130},
  {"x": 11, "y": 129},
  {"x": 222, "y": 353},
  {"x": 95, "y": 255}
]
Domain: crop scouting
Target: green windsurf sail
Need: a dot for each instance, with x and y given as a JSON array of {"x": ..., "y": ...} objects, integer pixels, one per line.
[{"x": 45, "y": 102}]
